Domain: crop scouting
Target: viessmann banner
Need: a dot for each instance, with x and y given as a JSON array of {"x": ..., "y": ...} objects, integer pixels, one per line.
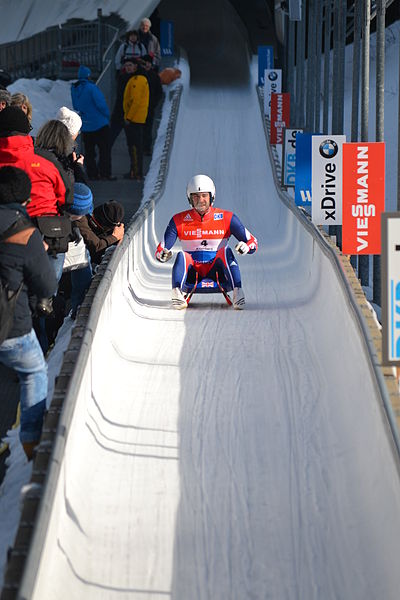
[
  {"x": 280, "y": 116},
  {"x": 326, "y": 187},
  {"x": 363, "y": 196}
]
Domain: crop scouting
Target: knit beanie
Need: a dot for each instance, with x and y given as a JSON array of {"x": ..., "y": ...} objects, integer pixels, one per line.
[
  {"x": 13, "y": 119},
  {"x": 15, "y": 185},
  {"x": 109, "y": 214},
  {"x": 83, "y": 200},
  {"x": 84, "y": 72},
  {"x": 71, "y": 120}
]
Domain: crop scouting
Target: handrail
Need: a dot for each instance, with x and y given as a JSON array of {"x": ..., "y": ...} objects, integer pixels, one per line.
[{"x": 58, "y": 51}]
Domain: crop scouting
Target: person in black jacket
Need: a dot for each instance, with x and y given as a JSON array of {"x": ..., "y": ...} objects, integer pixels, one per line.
[
  {"x": 117, "y": 122},
  {"x": 24, "y": 266}
]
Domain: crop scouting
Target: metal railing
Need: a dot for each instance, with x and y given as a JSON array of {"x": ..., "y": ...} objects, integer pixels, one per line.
[
  {"x": 324, "y": 28},
  {"x": 58, "y": 51}
]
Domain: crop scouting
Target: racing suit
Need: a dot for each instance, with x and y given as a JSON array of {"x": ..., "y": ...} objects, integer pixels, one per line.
[{"x": 205, "y": 249}]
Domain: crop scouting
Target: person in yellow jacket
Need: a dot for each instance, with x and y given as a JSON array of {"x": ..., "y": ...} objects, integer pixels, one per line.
[{"x": 136, "y": 107}]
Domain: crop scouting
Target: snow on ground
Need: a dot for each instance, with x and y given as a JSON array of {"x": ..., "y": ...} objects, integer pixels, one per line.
[{"x": 46, "y": 97}]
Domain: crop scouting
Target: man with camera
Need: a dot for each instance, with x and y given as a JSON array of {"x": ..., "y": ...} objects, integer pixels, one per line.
[{"x": 25, "y": 273}]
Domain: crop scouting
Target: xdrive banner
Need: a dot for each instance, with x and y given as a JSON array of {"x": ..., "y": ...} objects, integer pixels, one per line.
[
  {"x": 289, "y": 157},
  {"x": 265, "y": 61},
  {"x": 272, "y": 85},
  {"x": 363, "y": 196},
  {"x": 326, "y": 188},
  {"x": 280, "y": 117},
  {"x": 390, "y": 272}
]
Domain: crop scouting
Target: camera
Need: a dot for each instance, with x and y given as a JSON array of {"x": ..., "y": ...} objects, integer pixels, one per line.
[{"x": 44, "y": 307}]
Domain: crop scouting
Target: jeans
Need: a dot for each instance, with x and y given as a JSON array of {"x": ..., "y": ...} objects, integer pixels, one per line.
[
  {"x": 80, "y": 281},
  {"x": 57, "y": 261},
  {"x": 24, "y": 355}
]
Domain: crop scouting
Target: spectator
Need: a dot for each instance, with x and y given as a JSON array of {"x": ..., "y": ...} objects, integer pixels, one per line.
[
  {"x": 16, "y": 148},
  {"x": 24, "y": 266},
  {"x": 89, "y": 102},
  {"x": 131, "y": 48},
  {"x": 75, "y": 160},
  {"x": 5, "y": 99},
  {"x": 55, "y": 143},
  {"x": 49, "y": 188},
  {"x": 136, "y": 107},
  {"x": 150, "y": 42},
  {"x": 23, "y": 103},
  {"x": 81, "y": 276},
  {"x": 102, "y": 229},
  {"x": 155, "y": 90},
  {"x": 117, "y": 116}
]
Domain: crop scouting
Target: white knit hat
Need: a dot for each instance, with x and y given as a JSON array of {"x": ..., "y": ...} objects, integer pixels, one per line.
[{"x": 71, "y": 120}]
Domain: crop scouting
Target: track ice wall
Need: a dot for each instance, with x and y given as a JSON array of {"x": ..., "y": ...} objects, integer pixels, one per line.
[{"x": 222, "y": 454}]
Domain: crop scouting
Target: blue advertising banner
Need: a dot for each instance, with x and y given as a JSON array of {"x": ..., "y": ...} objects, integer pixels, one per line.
[
  {"x": 302, "y": 195},
  {"x": 265, "y": 61},
  {"x": 167, "y": 38},
  {"x": 390, "y": 272}
]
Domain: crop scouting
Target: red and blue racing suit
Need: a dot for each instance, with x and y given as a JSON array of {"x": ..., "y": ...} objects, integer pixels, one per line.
[{"x": 205, "y": 249}]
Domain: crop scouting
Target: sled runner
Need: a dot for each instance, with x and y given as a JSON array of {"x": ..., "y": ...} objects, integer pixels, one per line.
[{"x": 206, "y": 286}]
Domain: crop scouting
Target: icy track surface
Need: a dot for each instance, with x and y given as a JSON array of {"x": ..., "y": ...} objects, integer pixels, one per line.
[{"x": 217, "y": 454}]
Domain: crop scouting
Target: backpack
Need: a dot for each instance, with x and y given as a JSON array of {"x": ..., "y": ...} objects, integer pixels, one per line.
[{"x": 8, "y": 300}]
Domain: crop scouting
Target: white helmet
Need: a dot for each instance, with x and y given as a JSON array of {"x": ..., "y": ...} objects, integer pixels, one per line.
[{"x": 201, "y": 183}]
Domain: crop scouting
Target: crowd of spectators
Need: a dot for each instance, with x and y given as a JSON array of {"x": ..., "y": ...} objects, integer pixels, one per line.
[{"x": 52, "y": 237}]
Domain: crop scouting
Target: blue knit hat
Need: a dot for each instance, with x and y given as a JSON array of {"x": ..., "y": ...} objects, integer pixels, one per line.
[
  {"x": 83, "y": 200},
  {"x": 84, "y": 72}
]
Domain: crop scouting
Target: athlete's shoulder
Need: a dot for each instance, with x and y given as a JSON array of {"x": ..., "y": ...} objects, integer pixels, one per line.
[{"x": 186, "y": 216}]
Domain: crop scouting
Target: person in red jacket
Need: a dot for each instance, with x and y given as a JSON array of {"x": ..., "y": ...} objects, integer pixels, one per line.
[
  {"x": 16, "y": 149},
  {"x": 204, "y": 232}
]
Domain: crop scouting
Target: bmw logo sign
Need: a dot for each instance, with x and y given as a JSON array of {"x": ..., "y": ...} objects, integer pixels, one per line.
[
  {"x": 328, "y": 149},
  {"x": 273, "y": 76}
]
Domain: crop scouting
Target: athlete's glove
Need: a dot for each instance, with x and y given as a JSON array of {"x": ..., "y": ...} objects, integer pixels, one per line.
[
  {"x": 163, "y": 255},
  {"x": 242, "y": 248}
]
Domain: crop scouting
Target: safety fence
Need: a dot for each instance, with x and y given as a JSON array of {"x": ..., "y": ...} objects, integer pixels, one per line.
[
  {"x": 314, "y": 76},
  {"x": 58, "y": 51}
]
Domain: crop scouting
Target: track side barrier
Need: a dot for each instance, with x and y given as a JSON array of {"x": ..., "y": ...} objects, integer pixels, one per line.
[
  {"x": 73, "y": 386},
  {"x": 370, "y": 333}
]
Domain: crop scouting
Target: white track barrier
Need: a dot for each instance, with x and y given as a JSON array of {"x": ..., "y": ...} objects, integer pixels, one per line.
[{"x": 213, "y": 453}]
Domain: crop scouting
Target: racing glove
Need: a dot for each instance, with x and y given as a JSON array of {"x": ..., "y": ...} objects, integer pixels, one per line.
[
  {"x": 163, "y": 254},
  {"x": 242, "y": 248}
]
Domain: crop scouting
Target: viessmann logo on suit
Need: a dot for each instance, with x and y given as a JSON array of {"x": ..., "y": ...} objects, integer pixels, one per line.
[
  {"x": 327, "y": 177},
  {"x": 202, "y": 232}
]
